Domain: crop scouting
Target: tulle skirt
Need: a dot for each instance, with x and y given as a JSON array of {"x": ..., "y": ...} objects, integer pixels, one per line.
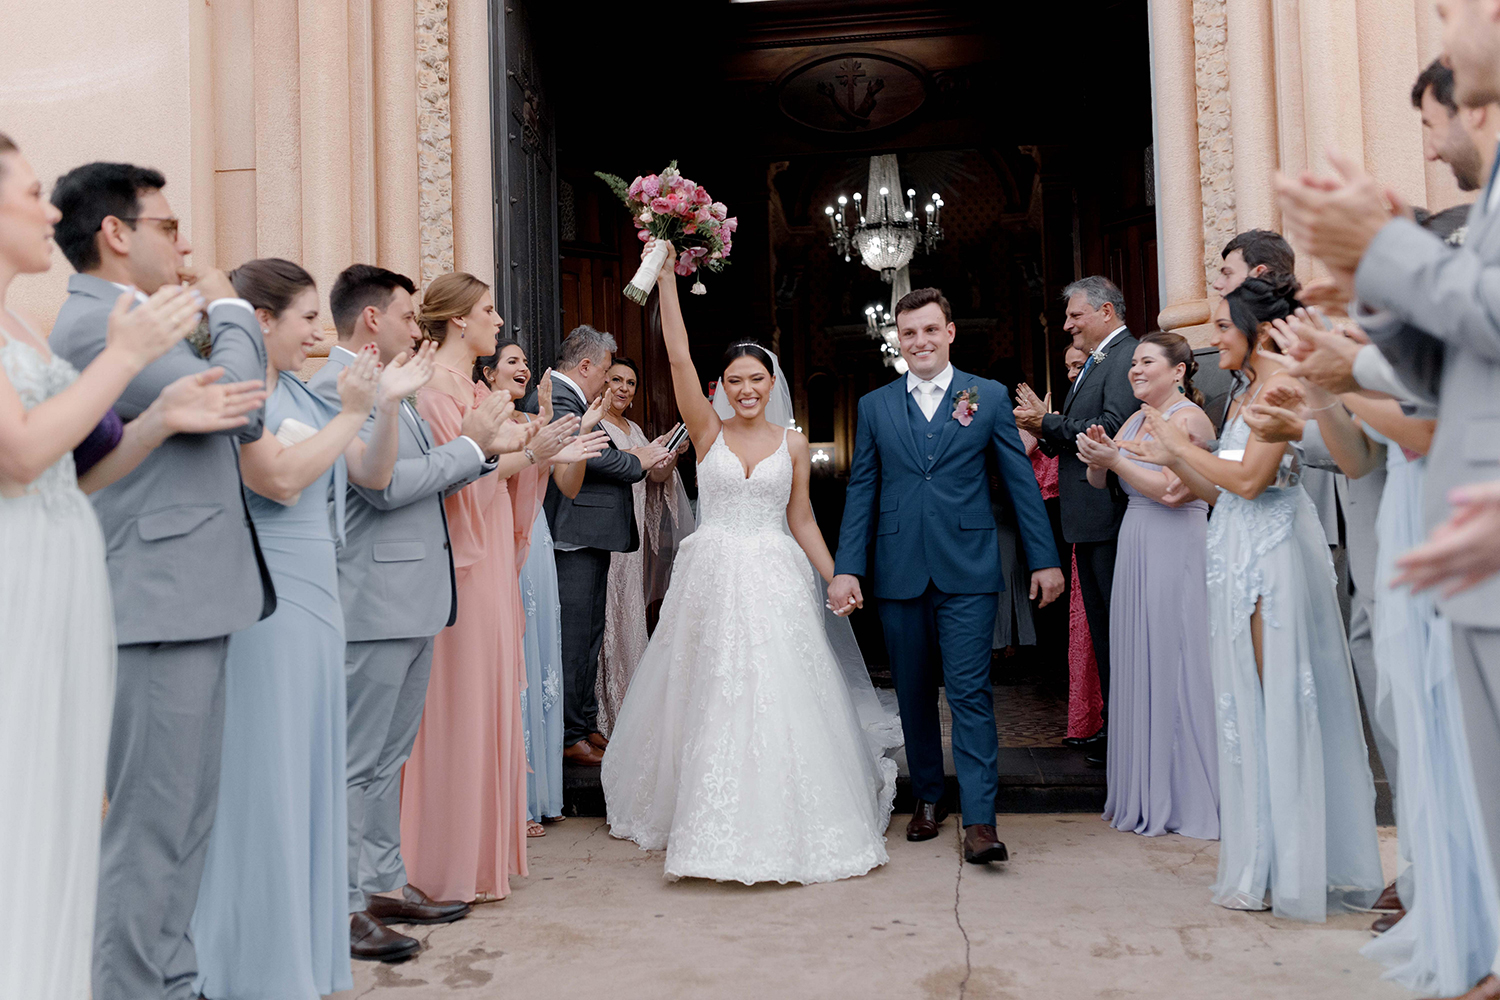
[{"x": 739, "y": 749}]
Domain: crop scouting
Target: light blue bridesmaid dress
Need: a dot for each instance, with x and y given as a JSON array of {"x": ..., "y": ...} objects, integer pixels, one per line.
[
  {"x": 273, "y": 916},
  {"x": 1296, "y": 799},
  {"x": 541, "y": 702},
  {"x": 1447, "y": 940}
]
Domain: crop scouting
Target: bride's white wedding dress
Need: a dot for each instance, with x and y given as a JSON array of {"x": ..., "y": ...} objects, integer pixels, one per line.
[{"x": 739, "y": 748}]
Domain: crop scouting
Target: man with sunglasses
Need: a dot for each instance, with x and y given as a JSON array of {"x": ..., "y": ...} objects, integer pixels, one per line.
[{"x": 185, "y": 571}]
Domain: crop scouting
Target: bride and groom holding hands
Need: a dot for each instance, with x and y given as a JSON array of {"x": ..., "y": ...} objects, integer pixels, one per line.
[{"x": 751, "y": 746}]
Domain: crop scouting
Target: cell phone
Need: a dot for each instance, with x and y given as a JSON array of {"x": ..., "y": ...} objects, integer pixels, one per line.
[{"x": 678, "y": 436}]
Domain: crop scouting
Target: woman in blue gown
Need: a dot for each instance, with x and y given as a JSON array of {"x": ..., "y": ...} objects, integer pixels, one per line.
[
  {"x": 1296, "y": 799},
  {"x": 272, "y": 919}
]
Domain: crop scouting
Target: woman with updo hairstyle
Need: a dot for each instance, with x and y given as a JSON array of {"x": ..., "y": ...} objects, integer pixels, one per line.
[
  {"x": 277, "y": 852},
  {"x": 741, "y": 747},
  {"x": 1297, "y": 802},
  {"x": 1162, "y": 760},
  {"x": 463, "y": 796}
]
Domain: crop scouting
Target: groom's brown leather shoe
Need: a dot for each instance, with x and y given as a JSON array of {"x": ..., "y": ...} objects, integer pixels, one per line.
[
  {"x": 600, "y": 741},
  {"x": 373, "y": 941},
  {"x": 981, "y": 846},
  {"x": 1389, "y": 900},
  {"x": 416, "y": 908},
  {"x": 925, "y": 820},
  {"x": 585, "y": 753}
]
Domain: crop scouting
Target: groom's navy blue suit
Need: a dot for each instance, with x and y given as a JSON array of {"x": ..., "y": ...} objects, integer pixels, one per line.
[{"x": 920, "y": 490}]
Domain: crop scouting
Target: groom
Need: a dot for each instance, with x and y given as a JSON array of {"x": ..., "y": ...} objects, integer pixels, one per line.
[{"x": 919, "y": 489}]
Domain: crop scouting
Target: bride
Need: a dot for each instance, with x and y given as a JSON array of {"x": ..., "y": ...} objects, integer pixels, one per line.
[{"x": 746, "y": 747}]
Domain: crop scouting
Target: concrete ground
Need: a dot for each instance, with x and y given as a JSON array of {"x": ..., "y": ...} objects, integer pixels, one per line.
[{"x": 1080, "y": 911}]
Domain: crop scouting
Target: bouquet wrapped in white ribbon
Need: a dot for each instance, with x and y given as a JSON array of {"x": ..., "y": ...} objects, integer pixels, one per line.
[{"x": 673, "y": 210}]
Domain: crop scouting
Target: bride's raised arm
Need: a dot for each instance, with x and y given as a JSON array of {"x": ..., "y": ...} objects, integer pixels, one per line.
[{"x": 697, "y": 412}]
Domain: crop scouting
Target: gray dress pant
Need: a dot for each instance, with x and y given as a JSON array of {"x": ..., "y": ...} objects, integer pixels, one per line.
[
  {"x": 582, "y": 594},
  {"x": 1476, "y": 667},
  {"x": 386, "y": 683},
  {"x": 163, "y": 788}
]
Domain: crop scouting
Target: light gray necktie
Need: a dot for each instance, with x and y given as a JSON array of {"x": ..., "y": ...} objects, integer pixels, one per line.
[{"x": 927, "y": 398}]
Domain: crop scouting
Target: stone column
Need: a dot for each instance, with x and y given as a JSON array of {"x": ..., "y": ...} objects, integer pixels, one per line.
[
  {"x": 1178, "y": 198},
  {"x": 473, "y": 171}
]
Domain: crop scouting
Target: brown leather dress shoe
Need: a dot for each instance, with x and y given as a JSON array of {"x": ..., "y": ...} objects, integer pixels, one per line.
[
  {"x": 925, "y": 820},
  {"x": 1387, "y": 921},
  {"x": 416, "y": 908},
  {"x": 599, "y": 740},
  {"x": 372, "y": 941},
  {"x": 1390, "y": 899},
  {"x": 585, "y": 753},
  {"x": 981, "y": 846}
]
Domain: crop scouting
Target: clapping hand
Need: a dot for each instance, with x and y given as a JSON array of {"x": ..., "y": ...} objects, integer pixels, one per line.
[
  {"x": 1335, "y": 219},
  {"x": 359, "y": 382},
  {"x": 1322, "y": 357},
  {"x": 1165, "y": 442},
  {"x": 201, "y": 404},
  {"x": 549, "y": 439},
  {"x": 1279, "y": 415},
  {"x": 488, "y": 422},
  {"x": 1031, "y": 408},
  {"x": 1178, "y": 492},
  {"x": 153, "y": 327},
  {"x": 1462, "y": 551},
  {"x": 544, "y": 396},
  {"x": 406, "y": 374},
  {"x": 582, "y": 448},
  {"x": 595, "y": 413},
  {"x": 1096, "y": 449}
]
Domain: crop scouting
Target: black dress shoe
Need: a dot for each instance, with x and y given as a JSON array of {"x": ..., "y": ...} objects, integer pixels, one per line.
[
  {"x": 981, "y": 846},
  {"x": 1096, "y": 759},
  {"x": 372, "y": 941},
  {"x": 416, "y": 908},
  {"x": 1087, "y": 742},
  {"x": 925, "y": 820}
]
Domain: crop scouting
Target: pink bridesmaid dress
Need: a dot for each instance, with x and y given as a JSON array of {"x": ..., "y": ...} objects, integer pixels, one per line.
[{"x": 463, "y": 796}]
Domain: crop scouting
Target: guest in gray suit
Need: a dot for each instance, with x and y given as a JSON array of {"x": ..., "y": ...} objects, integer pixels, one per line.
[
  {"x": 586, "y": 529},
  {"x": 1429, "y": 308},
  {"x": 185, "y": 571},
  {"x": 396, "y": 584}
]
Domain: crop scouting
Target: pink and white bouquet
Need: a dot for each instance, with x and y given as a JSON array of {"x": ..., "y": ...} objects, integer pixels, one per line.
[{"x": 671, "y": 209}]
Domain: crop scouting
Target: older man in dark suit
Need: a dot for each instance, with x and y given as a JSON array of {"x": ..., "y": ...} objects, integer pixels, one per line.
[{"x": 1100, "y": 395}]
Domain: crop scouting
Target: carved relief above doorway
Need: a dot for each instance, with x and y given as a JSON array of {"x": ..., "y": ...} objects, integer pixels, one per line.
[{"x": 852, "y": 91}]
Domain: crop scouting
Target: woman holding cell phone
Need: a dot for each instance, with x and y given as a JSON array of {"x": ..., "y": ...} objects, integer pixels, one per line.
[{"x": 656, "y": 501}]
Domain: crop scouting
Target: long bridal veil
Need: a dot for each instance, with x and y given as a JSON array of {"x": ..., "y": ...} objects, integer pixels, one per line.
[{"x": 880, "y": 719}]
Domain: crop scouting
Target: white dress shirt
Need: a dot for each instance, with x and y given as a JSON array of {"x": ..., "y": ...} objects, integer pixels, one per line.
[
  {"x": 348, "y": 356},
  {"x": 929, "y": 392},
  {"x": 1102, "y": 345}
]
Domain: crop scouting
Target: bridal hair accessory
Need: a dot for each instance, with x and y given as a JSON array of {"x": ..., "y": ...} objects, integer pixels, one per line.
[
  {"x": 965, "y": 405},
  {"x": 674, "y": 211}
]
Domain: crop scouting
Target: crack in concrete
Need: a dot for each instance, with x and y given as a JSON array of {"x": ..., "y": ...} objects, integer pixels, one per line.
[{"x": 958, "y": 885}]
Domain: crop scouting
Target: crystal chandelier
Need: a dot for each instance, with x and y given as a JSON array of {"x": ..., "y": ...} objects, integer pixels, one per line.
[
  {"x": 887, "y": 233},
  {"x": 881, "y": 326}
]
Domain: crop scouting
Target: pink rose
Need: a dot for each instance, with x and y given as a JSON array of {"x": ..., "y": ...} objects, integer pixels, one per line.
[
  {"x": 701, "y": 197},
  {"x": 719, "y": 210},
  {"x": 731, "y": 224},
  {"x": 702, "y": 215},
  {"x": 635, "y": 189},
  {"x": 651, "y": 186},
  {"x": 644, "y": 236},
  {"x": 662, "y": 206}
]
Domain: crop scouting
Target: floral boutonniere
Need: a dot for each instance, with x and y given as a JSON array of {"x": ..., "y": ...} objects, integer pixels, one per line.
[
  {"x": 965, "y": 405},
  {"x": 1098, "y": 354}
]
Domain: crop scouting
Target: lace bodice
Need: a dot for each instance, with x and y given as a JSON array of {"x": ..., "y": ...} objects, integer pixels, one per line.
[
  {"x": 1261, "y": 524},
  {"x": 37, "y": 378},
  {"x": 728, "y": 501}
]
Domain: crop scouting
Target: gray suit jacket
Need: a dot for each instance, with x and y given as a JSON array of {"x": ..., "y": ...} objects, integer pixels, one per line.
[
  {"x": 602, "y": 516},
  {"x": 396, "y": 577},
  {"x": 184, "y": 564},
  {"x": 1440, "y": 326}
]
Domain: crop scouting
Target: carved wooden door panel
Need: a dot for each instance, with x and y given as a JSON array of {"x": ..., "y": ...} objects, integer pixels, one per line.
[{"x": 525, "y": 162}]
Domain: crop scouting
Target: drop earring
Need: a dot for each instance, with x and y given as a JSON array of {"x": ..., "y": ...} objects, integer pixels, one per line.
[{"x": 1181, "y": 389}]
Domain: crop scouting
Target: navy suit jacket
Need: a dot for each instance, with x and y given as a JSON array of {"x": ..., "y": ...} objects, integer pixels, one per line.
[{"x": 932, "y": 521}]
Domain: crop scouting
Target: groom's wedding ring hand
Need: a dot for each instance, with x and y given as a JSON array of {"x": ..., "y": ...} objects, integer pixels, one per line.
[{"x": 844, "y": 594}]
